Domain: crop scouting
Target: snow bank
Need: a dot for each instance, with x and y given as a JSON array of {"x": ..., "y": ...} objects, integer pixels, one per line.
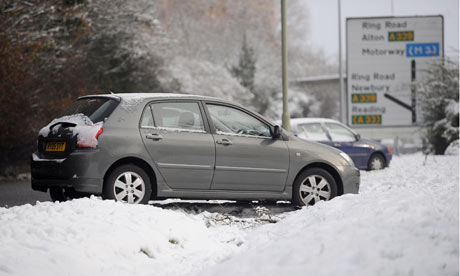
[
  {"x": 404, "y": 222},
  {"x": 95, "y": 237}
]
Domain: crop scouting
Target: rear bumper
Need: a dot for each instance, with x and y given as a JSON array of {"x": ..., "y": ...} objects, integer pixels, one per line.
[
  {"x": 84, "y": 185},
  {"x": 76, "y": 170}
]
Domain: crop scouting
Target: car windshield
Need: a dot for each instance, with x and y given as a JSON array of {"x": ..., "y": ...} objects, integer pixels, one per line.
[
  {"x": 340, "y": 133},
  {"x": 97, "y": 109},
  {"x": 312, "y": 131}
]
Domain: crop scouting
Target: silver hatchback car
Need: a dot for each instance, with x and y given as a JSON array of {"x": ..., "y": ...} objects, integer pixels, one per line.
[{"x": 137, "y": 147}]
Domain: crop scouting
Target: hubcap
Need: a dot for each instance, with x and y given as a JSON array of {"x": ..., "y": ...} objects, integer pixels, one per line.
[
  {"x": 129, "y": 187},
  {"x": 314, "y": 188},
  {"x": 376, "y": 163}
]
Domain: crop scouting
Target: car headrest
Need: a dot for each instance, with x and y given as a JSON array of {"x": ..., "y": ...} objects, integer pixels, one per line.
[{"x": 186, "y": 120}]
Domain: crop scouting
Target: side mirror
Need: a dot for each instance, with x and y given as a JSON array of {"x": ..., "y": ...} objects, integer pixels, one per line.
[
  {"x": 276, "y": 133},
  {"x": 358, "y": 137}
]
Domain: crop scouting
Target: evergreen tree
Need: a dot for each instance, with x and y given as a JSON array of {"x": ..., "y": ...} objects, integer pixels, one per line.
[{"x": 245, "y": 70}]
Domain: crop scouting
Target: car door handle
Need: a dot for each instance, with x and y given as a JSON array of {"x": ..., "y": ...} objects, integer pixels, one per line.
[
  {"x": 337, "y": 145},
  {"x": 154, "y": 136},
  {"x": 224, "y": 142}
]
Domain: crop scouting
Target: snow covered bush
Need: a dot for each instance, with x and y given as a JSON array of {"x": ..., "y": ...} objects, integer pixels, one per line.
[
  {"x": 185, "y": 75},
  {"x": 440, "y": 96}
]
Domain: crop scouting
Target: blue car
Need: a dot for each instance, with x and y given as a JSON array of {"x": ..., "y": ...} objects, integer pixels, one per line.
[{"x": 366, "y": 154}]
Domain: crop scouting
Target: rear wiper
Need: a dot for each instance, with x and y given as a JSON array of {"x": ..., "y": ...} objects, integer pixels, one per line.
[{"x": 64, "y": 124}]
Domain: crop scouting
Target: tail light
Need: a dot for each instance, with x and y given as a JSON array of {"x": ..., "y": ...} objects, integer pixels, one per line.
[
  {"x": 388, "y": 148},
  {"x": 87, "y": 136}
]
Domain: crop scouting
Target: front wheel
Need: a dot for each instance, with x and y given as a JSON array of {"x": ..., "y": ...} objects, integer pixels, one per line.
[
  {"x": 128, "y": 183},
  {"x": 376, "y": 162},
  {"x": 313, "y": 185}
]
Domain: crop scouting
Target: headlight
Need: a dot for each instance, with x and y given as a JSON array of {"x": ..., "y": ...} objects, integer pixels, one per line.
[{"x": 348, "y": 158}]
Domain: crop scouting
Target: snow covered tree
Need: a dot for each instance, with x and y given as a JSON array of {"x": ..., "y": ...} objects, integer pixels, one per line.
[{"x": 440, "y": 106}]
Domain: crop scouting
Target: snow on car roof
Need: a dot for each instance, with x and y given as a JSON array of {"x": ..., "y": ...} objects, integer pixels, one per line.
[
  {"x": 298, "y": 121},
  {"x": 136, "y": 97}
]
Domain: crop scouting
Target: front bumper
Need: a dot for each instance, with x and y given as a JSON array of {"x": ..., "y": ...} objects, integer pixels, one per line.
[
  {"x": 72, "y": 171},
  {"x": 351, "y": 180},
  {"x": 388, "y": 157}
]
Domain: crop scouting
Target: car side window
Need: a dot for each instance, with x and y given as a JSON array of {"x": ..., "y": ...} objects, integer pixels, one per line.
[
  {"x": 339, "y": 133},
  {"x": 231, "y": 121},
  {"x": 181, "y": 116},
  {"x": 147, "y": 118},
  {"x": 312, "y": 131}
]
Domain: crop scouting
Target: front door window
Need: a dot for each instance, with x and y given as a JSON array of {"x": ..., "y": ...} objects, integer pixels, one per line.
[{"x": 231, "y": 121}]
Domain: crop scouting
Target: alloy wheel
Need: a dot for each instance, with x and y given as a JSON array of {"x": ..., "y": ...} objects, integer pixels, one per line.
[
  {"x": 129, "y": 187},
  {"x": 314, "y": 188},
  {"x": 376, "y": 163}
]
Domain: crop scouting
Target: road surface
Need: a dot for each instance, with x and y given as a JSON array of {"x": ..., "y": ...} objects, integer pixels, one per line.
[{"x": 19, "y": 192}]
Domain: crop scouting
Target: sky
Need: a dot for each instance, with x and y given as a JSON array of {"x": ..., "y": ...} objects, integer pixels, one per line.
[{"x": 324, "y": 16}]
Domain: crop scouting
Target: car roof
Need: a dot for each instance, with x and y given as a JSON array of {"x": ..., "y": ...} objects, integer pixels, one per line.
[
  {"x": 298, "y": 121},
  {"x": 137, "y": 98},
  {"x": 146, "y": 96}
]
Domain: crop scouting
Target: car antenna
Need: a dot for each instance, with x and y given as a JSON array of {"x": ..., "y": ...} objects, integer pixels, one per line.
[{"x": 111, "y": 92}]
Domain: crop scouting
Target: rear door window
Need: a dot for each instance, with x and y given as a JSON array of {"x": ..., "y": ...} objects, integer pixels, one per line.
[
  {"x": 178, "y": 116},
  {"x": 97, "y": 109},
  {"x": 147, "y": 118}
]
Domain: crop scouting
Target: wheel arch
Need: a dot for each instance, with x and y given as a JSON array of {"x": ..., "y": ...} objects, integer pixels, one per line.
[
  {"x": 329, "y": 169},
  {"x": 140, "y": 163}
]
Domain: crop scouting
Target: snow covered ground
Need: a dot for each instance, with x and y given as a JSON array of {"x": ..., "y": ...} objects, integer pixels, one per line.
[{"x": 405, "y": 221}]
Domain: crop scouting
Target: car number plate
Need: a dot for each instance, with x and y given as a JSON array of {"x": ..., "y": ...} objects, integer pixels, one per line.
[{"x": 55, "y": 146}]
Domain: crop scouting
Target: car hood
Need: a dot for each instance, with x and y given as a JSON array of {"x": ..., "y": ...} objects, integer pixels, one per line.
[
  {"x": 316, "y": 152},
  {"x": 369, "y": 142}
]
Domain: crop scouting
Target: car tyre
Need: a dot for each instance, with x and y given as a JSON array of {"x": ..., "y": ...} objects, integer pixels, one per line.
[
  {"x": 128, "y": 183},
  {"x": 376, "y": 162},
  {"x": 313, "y": 185}
]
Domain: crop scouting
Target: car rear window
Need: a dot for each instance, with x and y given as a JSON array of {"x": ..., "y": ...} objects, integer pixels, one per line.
[{"x": 97, "y": 109}]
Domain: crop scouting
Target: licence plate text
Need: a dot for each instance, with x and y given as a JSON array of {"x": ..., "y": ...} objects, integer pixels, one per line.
[{"x": 55, "y": 146}]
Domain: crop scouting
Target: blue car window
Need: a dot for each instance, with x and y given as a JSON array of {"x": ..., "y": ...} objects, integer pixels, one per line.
[
  {"x": 312, "y": 132},
  {"x": 340, "y": 133}
]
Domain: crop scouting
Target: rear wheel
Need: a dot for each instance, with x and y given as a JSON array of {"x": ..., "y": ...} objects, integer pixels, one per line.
[
  {"x": 128, "y": 183},
  {"x": 376, "y": 162},
  {"x": 313, "y": 185}
]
